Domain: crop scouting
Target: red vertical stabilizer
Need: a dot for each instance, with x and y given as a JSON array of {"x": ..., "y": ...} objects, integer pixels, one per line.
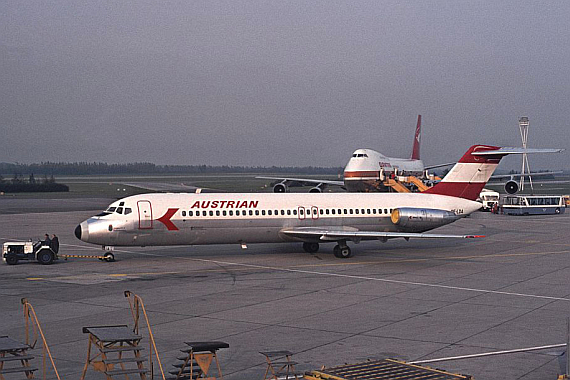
[
  {"x": 417, "y": 138},
  {"x": 468, "y": 177}
]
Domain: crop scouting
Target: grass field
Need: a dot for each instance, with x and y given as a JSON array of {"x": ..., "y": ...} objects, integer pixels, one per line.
[{"x": 114, "y": 186}]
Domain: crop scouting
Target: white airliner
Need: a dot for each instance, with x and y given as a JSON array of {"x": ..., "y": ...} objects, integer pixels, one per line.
[
  {"x": 366, "y": 170},
  {"x": 189, "y": 219}
]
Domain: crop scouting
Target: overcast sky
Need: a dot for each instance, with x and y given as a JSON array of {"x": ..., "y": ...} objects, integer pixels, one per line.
[{"x": 280, "y": 82}]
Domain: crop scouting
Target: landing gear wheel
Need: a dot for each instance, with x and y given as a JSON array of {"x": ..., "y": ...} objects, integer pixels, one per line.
[
  {"x": 343, "y": 252},
  {"x": 311, "y": 247},
  {"x": 11, "y": 260},
  {"x": 45, "y": 257},
  {"x": 109, "y": 257}
]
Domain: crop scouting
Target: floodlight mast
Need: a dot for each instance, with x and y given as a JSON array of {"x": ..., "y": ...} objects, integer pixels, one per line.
[{"x": 523, "y": 128}]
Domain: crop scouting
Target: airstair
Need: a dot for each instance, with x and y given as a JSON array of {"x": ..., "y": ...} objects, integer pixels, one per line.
[
  {"x": 12, "y": 352},
  {"x": 110, "y": 346},
  {"x": 197, "y": 360}
]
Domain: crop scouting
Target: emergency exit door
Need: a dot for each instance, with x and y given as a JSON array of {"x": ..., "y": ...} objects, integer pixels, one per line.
[{"x": 145, "y": 215}]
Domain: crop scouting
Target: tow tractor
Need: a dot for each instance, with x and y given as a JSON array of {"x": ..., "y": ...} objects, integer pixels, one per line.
[{"x": 12, "y": 252}]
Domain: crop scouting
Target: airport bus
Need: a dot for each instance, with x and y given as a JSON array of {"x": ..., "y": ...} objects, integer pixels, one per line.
[
  {"x": 532, "y": 204},
  {"x": 488, "y": 198}
]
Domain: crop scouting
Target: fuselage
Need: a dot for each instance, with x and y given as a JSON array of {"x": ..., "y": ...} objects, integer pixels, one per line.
[
  {"x": 366, "y": 167},
  {"x": 180, "y": 219}
]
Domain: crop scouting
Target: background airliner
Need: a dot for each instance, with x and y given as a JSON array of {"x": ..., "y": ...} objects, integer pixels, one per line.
[
  {"x": 178, "y": 219},
  {"x": 366, "y": 170}
]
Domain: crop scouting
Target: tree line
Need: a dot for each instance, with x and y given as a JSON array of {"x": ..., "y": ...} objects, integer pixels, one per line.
[
  {"x": 87, "y": 168},
  {"x": 20, "y": 184}
]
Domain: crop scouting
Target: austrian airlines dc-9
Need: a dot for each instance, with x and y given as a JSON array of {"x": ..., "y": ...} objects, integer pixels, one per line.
[{"x": 195, "y": 219}]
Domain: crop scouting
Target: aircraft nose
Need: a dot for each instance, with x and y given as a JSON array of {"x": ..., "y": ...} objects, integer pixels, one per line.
[{"x": 78, "y": 231}]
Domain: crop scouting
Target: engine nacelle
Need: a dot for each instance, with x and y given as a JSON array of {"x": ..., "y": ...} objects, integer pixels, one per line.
[
  {"x": 421, "y": 219},
  {"x": 280, "y": 188},
  {"x": 511, "y": 187}
]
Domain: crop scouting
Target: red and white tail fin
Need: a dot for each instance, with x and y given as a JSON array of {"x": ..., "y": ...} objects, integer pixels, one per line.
[
  {"x": 417, "y": 138},
  {"x": 468, "y": 177}
]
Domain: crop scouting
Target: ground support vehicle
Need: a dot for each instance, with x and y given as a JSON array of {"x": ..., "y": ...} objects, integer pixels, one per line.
[{"x": 12, "y": 252}]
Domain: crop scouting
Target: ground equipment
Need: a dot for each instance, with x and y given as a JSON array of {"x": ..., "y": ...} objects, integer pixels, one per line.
[{"x": 12, "y": 252}]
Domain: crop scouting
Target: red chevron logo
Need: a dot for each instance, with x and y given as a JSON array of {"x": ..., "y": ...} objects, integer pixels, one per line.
[{"x": 165, "y": 219}]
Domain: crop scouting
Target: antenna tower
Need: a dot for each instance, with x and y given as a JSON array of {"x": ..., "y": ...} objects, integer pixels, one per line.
[{"x": 523, "y": 127}]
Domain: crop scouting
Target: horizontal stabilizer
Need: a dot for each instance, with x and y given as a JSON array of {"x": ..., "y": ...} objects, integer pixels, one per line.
[{"x": 507, "y": 150}]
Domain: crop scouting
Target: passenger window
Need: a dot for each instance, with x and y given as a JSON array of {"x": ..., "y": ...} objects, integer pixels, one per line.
[
  {"x": 224, "y": 213},
  {"x": 217, "y": 213},
  {"x": 308, "y": 212},
  {"x": 262, "y": 212},
  {"x": 356, "y": 211},
  {"x": 282, "y": 212},
  {"x": 321, "y": 212},
  {"x": 301, "y": 211},
  {"x": 269, "y": 212},
  {"x": 333, "y": 211},
  {"x": 251, "y": 212},
  {"x": 368, "y": 211},
  {"x": 294, "y": 212},
  {"x": 288, "y": 212},
  {"x": 379, "y": 211},
  {"x": 374, "y": 211},
  {"x": 256, "y": 212},
  {"x": 276, "y": 212},
  {"x": 350, "y": 211},
  {"x": 232, "y": 213},
  {"x": 119, "y": 210},
  {"x": 385, "y": 211},
  {"x": 190, "y": 213},
  {"x": 183, "y": 213},
  {"x": 211, "y": 213},
  {"x": 128, "y": 211},
  {"x": 344, "y": 212}
]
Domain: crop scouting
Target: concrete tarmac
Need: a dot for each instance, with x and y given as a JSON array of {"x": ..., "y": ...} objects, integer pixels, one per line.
[{"x": 413, "y": 300}]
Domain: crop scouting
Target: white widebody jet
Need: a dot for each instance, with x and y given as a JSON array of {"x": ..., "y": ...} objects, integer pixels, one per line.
[
  {"x": 194, "y": 219},
  {"x": 366, "y": 170}
]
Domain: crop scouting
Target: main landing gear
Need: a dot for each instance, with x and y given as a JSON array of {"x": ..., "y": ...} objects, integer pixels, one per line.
[
  {"x": 342, "y": 251},
  {"x": 311, "y": 247}
]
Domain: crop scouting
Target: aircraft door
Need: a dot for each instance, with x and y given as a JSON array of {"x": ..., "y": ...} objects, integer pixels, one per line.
[
  {"x": 145, "y": 215},
  {"x": 314, "y": 212}
]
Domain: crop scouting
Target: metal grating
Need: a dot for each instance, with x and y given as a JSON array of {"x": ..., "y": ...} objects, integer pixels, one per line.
[{"x": 385, "y": 369}]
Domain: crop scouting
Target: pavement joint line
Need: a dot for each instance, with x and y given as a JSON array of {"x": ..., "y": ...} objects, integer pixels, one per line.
[{"x": 341, "y": 275}]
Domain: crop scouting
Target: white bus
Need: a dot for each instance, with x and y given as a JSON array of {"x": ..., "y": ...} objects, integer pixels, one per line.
[
  {"x": 532, "y": 204},
  {"x": 488, "y": 198}
]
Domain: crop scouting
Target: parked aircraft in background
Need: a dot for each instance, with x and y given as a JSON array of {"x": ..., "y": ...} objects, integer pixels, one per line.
[
  {"x": 366, "y": 170},
  {"x": 193, "y": 219}
]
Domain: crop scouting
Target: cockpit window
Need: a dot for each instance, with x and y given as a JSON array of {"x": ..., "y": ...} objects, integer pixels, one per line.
[
  {"x": 359, "y": 155},
  {"x": 122, "y": 204},
  {"x": 119, "y": 210},
  {"x": 128, "y": 210},
  {"x": 111, "y": 209},
  {"x": 103, "y": 213}
]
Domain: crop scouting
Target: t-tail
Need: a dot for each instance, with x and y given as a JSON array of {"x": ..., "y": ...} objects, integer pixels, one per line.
[
  {"x": 417, "y": 138},
  {"x": 468, "y": 177}
]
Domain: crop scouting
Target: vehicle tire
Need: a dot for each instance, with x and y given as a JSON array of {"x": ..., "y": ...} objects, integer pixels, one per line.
[
  {"x": 345, "y": 252},
  {"x": 45, "y": 257},
  {"x": 342, "y": 252},
  {"x": 109, "y": 257},
  {"x": 280, "y": 188},
  {"x": 311, "y": 247},
  {"x": 11, "y": 260}
]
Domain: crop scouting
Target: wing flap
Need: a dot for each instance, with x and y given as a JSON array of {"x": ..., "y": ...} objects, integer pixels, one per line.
[{"x": 339, "y": 233}]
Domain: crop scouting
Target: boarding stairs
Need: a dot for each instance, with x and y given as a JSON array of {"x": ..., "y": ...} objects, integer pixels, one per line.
[
  {"x": 114, "y": 346},
  {"x": 197, "y": 360},
  {"x": 12, "y": 352}
]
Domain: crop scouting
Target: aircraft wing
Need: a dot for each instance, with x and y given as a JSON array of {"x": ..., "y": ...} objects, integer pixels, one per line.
[
  {"x": 518, "y": 175},
  {"x": 166, "y": 187},
  {"x": 438, "y": 166},
  {"x": 338, "y": 233},
  {"x": 306, "y": 180}
]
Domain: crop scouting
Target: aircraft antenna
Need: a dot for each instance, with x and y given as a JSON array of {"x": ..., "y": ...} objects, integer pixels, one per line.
[{"x": 523, "y": 128}]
